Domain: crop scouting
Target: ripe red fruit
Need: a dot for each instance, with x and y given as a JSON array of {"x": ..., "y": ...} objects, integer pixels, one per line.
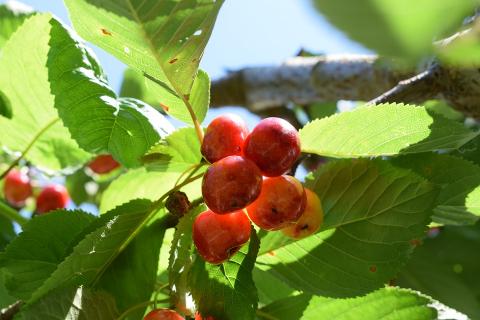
[
  {"x": 17, "y": 188},
  {"x": 311, "y": 219},
  {"x": 231, "y": 184},
  {"x": 103, "y": 164},
  {"x": 163, "y": 314},
  {"x": 219, "y": 236},
  {"x": 224, "y": 137},
  {"x": 199, "y": 317},
  {"x": 52, "y": 197},
  {"x": 274, "y": 145},
  {"x": 281, "y": 202}
]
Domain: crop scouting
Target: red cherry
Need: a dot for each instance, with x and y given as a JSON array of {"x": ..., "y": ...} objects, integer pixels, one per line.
[
  {"x": 231, "y": 184},
  {"x": 103, "y": 164},
  {"x": 163, "y": 314},
  {"x": 274, "y": 145},
  {"x": 224, "y": 137},
  {"x": 199, "y": 317},
  {"x": 52, "y": 197},
  {"x": 281, "y": 203},
  {"x": 219, "y": 236},
  {"x": 17, "y": 188}
]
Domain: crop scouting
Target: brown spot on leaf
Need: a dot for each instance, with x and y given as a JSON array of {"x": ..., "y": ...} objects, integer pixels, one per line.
[
  {"x": 373, "y": 268},
  {"x": 106, "y": 32},
  {"x": 164, "y": 107},
  {"x": 173, "y": 61},
  {"x": 271, "y": 253},
  {"x": 415, "y": 242}
]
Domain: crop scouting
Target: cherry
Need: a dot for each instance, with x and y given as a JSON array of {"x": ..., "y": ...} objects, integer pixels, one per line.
[
  {"x": 281, "y": 202},
  {"x": 310, "y": 220},
  {"x": 103, "y": 164},
  {"x": 231, "y": 184},
  {"x": 163, "y": 314},
  {"x": 219, "y": 236},
  {"x": 274, "y": 145},
  {"x": 224, "y": 137},
  {"x": 52, "y": 197},
  {"x": 199, "y": 317},
  {"x": 17, "y": 188}
]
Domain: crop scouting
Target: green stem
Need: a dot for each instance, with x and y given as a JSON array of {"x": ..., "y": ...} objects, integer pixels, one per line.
[
  {"x": 30, "y": 145},
  {"x": 265, "y": 315},
  {"x": 12, "y": 214}
]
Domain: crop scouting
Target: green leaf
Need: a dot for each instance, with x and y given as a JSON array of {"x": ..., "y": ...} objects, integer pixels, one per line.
[
  {"x": 7, "y": 233},
  {"x": 176, "y": 153},
  {"x": 132, "y": 275},
  {"x": 391, "y": 27},
  {"x": 462, "y": 51},
  {"x": 172, "y": 104},
  {"x": 44, "y": 242},
  {"x": 34, "y": 126},
  {"x": 383, "y": 130},
  {"x": 446, "y": 268},
  {"x": 442, "y": 108},
  {"x": 458, "y": 202},
  {"x": 92, "y": 256},
  {"x": 180, "y": 258},
  {"x": 164, "y": 39},
  {"x": 97, "y": 120},
  {"x": 73, "y": 304},
  {"x": 75, "y": 184},
  {"x": 137, "y": 86},
  {"x": 5, "y": 298},
  {"x": 269, "y": 287},
  {"x": 388, "y": 303},
  {"x": 321, "y": 110},
  {"x": 470, "y": 151},
  {"x": 11, "y": 17},
  {"x": 226, "y": 291},
  {"x": 140, "y": 183},
  {"x": 373, "y": 211}
]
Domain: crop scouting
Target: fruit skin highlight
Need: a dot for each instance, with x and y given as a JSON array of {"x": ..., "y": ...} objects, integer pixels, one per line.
[
  {"x": 217, "y": 237},
  {"x": 52, "y": 197},
  {"x": 103, "y": 164},
  {"x": 280, "y": 203},
  {"x": 163, "y": 314},
  {"x": 311, "y": 219},
  {"x": 231, "y": 184},
  {"x": 17, "y": 188},
  {"x": 224, "y": 137},
  {"x": 274, "y": 146}
]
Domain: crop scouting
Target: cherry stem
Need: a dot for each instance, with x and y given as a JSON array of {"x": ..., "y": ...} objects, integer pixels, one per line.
[{"x": 12, "y": 214}]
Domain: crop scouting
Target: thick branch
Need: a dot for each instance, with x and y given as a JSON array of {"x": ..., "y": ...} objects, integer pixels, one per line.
[{"x": 305, "y": 80}]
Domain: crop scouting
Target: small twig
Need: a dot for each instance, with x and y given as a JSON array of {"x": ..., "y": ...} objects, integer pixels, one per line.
[
  {"x": 9, "y": 312},
  {"x": 418, "y": 88}
]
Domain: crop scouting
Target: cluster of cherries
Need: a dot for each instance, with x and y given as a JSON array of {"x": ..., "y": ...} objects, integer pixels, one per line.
[
  {"x": 248, "y": 174},
  {"x": 18, "y": 187}
]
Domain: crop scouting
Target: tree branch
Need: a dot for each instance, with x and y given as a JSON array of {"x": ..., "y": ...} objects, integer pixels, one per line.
[
  {"x": 304, "y": 80},
  {"x": 307, "y": 80},
  {"x": 9, "y": 312}
]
